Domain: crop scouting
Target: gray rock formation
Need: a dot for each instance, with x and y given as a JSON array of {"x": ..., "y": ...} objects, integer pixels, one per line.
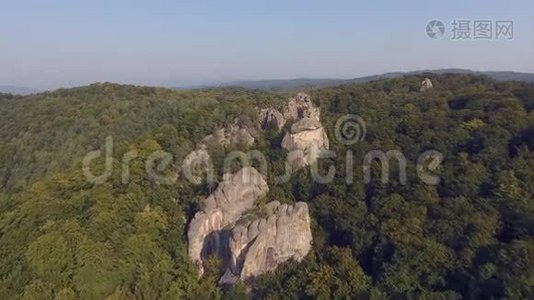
[
  {"x": 307, "y": 135},
  {"x": 306, "y": 138},
  {"x": 231, "y": 137},
  {"x": 234, "y": 196},
  {"x": 426, "y": 85},
  {"x": 305, "y": 124},
  {"x": 296, "y": 108},
  {"x": 199, "y": 161},
  {"x": 259, "y": 245},
  {"x": 301, "y": 106},
  {"x": 271, "y": 118},
  {"x": 249, "y": 240}
]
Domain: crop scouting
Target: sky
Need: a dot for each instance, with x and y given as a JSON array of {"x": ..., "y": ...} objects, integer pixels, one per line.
[{"x": 51, "y": 44}]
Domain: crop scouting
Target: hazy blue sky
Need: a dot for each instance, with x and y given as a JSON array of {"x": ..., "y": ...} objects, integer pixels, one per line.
[{"x": 48, "y": 44}]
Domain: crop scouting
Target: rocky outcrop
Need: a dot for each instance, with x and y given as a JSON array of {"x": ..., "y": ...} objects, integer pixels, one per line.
[
  {"x": 296, "y": 108},
  {"x": 307, "y": 135},
  {"x": 271, "y": 118},
  {"x": 259, "y": 245},
  {"x": 232, "y": 137},
  {"x": 199, "y": 160},
  {"x": 235, "y": 195},
  {"x": 249, "y": 240},
  {"x": 305, "y": 139},
  {"x": 426, "y": 85},
  {"x": 299, "y": 107}
]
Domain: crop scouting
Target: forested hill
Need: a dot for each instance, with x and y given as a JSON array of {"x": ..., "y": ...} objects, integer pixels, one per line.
[
  {"x": 304, "y": 83},
  {"x": 470, "y": 236},
  {"x": 45, "y": 133}
]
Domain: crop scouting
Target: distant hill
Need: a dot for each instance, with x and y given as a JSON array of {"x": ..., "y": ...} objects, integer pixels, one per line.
[
  {"x": 16, "y": 90},
  {"x": 278, "y": 84},
  {"x": 289, "y": 84},
  {"x": 504, "y": 75}
]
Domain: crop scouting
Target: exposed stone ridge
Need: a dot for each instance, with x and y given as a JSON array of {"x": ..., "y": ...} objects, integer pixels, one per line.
[{"x": 249, "y": 242}]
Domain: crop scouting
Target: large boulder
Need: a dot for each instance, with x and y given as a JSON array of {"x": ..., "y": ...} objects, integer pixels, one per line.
[
  {"x": 234, "y": 196},
  {"x": 307, "y": 136},
  {"x": 426, "y": 85},
  {"x": 301, "y": 106},
  {"x": 249, "y": 240},
  {"x": 260, "y": 244}
]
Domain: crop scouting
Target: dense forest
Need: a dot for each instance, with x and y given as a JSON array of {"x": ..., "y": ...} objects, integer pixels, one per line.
[{"x": 470, "y": 236}]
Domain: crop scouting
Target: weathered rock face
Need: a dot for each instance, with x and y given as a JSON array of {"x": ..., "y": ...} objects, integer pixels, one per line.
[
  {"x": 271, "y": 118},
  {"x": 249, "y": 242},
  {"x": 258, "y": 246},
  {"x": 235, "y": 195},
  {"x": 305, "y": 139},
  {"x": 305, "y": 124},
  {"x": 426, "y": 85},
  {"x": 231, "y": 137},
  {"x": 307, "y": 135},
  {"x": 301, "y": 106}
]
